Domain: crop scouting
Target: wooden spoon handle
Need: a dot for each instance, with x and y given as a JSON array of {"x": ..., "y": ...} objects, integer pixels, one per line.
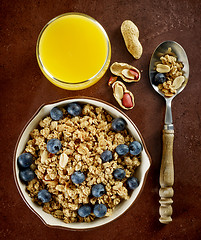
[{"x": 166, "y": 177}]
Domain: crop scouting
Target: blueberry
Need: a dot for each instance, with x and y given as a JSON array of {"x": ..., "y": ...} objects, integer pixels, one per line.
[
  {"x": 84, "y": 211},
  {"x": 100, "y": 210},
  {"x": 25, "y": 160},
  {"x": 122, "y": 149},
  {"x": 98, "y": 190},
  {"x": 78, "y": 177},
  {"x": 56, "y": 114},
  {"x": 119, "y": 173},
  {"x": 53, "y": 145},
  {"x": 132, "y": 183},
  {"x": 159, "y": 78},
  {"x": 27, "y": 175},
  {"x": 44, "y": 196},
  {"x": 74, "y": 109},
  {"x": 118, "y": 124},
  {"x": 106, "y": 156},
  {"x": 135, "y": 148}
]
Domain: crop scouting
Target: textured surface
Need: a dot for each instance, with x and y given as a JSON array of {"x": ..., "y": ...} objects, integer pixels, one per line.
[{"x": 24, "y": 89}]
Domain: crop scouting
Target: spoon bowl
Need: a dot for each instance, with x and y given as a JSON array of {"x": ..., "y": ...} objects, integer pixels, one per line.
[{"x": 177, "y": 51}]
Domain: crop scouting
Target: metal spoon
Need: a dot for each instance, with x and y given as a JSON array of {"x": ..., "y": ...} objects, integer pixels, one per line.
[{"x": 167, "y": 168}]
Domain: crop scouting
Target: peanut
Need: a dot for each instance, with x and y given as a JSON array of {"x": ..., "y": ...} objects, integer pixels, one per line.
[
  {"x": 127, "y": 100},
  {"x": 127, "y": 74},
  {"x": 161, "y": 68},
  {"x": 130, "y": 34},
  {"x": 119, "y": 92},
  {"x": 134, "y": 73},
  {"x": 63, "y": 160},
  {"x": 178, "y": 82}
]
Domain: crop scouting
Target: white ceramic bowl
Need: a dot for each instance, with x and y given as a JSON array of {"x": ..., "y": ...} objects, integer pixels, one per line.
[{"x": 141, "y": 172}]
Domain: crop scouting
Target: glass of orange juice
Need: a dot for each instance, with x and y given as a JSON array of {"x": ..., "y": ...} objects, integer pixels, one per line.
[{"x": 73, "y": 51}]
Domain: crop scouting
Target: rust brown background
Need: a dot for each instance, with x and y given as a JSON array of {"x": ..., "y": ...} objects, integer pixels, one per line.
[{"x": 24, "y": 89}]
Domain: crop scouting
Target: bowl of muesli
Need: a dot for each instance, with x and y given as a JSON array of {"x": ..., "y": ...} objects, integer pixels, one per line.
[{"x": 80, "y": 163}]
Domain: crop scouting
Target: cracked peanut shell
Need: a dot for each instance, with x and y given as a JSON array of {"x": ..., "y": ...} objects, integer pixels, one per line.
[
  {"x": 118, "y": 69},
  {"x": 119, "y": 90}
]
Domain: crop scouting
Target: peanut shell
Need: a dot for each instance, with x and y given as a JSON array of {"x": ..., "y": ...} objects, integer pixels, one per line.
[
  {"x": 162, "y": 68},
  {"x": 178, "y": 81},
  {"x": 117, "y": 69},
  {"x": 115, "y": 86},
  {"x": 130, "y": 34},
  {"x": 127, "y": 74}
]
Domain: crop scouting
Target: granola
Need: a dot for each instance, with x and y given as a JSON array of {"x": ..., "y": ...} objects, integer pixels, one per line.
[
  {"x": 172, "y": 68},
  {"x": 83, "y": 139}
]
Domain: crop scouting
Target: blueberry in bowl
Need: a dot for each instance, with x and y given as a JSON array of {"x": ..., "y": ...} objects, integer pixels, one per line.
[
  {"x": 132, "y": 183},
  {"x": 26, "y": 175},
  {"x": 53, "y": 145},
  {"x": 135, "y": 148},
  {"x": 44, "y": 196},
  {"x": 106, "y": 156},
  {"x": 118, "y": 124},
  {"x": 84, "y": 211},
  {"x": 119, "y": 173},
  {"x": 98, "y": 190},
  {"x": 56, "y": 114},
  {"x": 77, "y": 177},
  {"x": 74, "y": 109},
  {"x": 99, "y": 210},
  {"x": 122, "y": 149},
  {"x": 25, "y": 160}
]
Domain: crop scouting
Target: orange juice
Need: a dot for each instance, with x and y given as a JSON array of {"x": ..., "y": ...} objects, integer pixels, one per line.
[{"x": 73, "y": 51}]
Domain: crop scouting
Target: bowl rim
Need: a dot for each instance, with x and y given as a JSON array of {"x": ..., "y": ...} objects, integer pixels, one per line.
[{"x": 24, "y": 128}]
